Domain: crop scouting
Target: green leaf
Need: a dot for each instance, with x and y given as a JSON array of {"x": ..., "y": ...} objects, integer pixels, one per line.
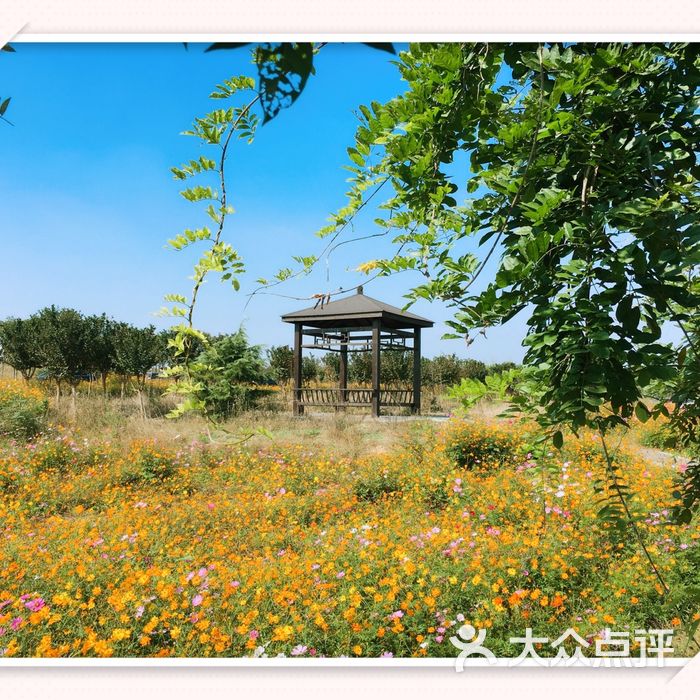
[
  {"x": 558, "y": 439},
  {"x": 381, "y": 46},
  {"x": 642, "y": 412}
]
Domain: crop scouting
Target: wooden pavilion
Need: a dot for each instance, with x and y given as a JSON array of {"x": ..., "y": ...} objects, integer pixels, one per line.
[{"x": 356, "y": 323}]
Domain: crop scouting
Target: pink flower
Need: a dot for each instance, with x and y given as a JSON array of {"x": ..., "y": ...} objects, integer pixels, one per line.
[
  {"x": 340, "y": 574},
  {"x": 35, "y": 605},
  {"x": 197, "y": 600},
  {"x": 15, "y": 624},
  {"x": 386, "y": 655},
  {"x": 299, "y": 649},
  {"x": 683, "y": 467},
  {"x": 396, "y": 615}
]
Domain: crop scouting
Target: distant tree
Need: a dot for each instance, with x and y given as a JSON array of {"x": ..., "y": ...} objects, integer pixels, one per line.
[
  {"x": 396, "y": 366},
  {"x": 444, "y": 370},
  {"x": 101, "y": 351},
  {"x": 19, "y": 345},
  {"x": 280, "y": 359},
  {"x": 474, "y": 369},
  {"x": 310, "y": 369},
  {"x": 136, "y": 351},
  {"x": 330, "y": 367},
  {"x": 360, "y": 367},
  {"x": 500, "y": 367},
  {"x": 64, "y": 340}
]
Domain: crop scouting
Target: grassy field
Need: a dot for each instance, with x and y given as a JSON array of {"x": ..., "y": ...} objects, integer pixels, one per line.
[{"x": 331, "y": 536}]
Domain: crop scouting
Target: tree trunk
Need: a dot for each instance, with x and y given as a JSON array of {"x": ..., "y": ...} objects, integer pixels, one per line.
[
  {"x": 73, "y": 405},
  {"x": 140, "y": 389},
  {"x": 58, "y": 394},
  {"x": 104, "y": 384}
]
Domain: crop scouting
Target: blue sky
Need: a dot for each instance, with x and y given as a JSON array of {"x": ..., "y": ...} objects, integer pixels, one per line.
[{"x": 87, "y": 200}]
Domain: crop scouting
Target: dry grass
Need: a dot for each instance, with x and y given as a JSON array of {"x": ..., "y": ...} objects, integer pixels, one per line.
[{"x": 119, "y": 422}]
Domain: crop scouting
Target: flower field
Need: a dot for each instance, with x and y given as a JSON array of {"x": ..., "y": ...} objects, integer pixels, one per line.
[{"x": 236, "y": 552}]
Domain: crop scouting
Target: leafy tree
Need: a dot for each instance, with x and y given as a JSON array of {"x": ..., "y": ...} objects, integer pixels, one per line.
[
  {"x": 360, "y": 367},
  {"x": 216, "y": 130},
  {"x": 396, "y": 366},
  {"x": 227, "y": 372},
  {"x": 19, "y": 345},
  {"x": 330, "y": 367},
  {"x": 310, "y": 368},
  {"x": 475, "y": 369},
  {"x": 64, "y": 341},
  {"x": 101, "y": 358},
  {"x": 281, "y": 359},
  {"x": 582, "y": 193},
  {"x": 444, "y": 370},
  {"x": 499, "y": 367},
  {"x": 283, "y": 70},
  {"x": 136, "y": 351}
]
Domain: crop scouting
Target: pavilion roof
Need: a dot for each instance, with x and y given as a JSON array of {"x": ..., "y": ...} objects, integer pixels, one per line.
[{"x": 357, "y": 310}]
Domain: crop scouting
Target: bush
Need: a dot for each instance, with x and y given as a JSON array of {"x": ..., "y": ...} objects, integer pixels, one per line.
[
  {"x": 22, "y": 411},
  {"x": 476, "y": 446},
  {"x": 375, "y": 486},
  {"x": 146, "y": 464},
  {"x": 231, "y": 375},
  {"x": 435, "y": 494}
]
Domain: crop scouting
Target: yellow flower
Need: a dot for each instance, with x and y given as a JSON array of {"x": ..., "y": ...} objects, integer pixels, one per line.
[
  {"x": 120, "y": 633},
  {"x": 282, "y": 633}
]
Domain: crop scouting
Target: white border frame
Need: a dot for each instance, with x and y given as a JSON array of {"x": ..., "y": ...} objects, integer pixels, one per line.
[{"x": 336, "y": 662}]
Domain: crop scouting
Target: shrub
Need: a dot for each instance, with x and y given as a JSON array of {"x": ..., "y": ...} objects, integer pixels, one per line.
[
  {"x": 374, "y": 486},
  {"x": 435, "y": 494},
  {"x": 146, "y": 464},
  {"x": 55, "y": 454},
  {"x": 231, "y": 375},
  {"x": 474, "y": 446},
  {"x": 22, "y": 410}
]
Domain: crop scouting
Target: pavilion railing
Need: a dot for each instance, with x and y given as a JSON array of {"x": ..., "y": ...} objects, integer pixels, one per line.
[{"x": 311, "y": 396}]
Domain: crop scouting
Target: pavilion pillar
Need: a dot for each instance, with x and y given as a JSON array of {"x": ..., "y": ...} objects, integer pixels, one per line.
[
  {"x": 415, "y": 405},
  {"x": 376, "y": 365},
  {"x": 297, "y": 405},
  {"x": 343, "y": 371}
]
